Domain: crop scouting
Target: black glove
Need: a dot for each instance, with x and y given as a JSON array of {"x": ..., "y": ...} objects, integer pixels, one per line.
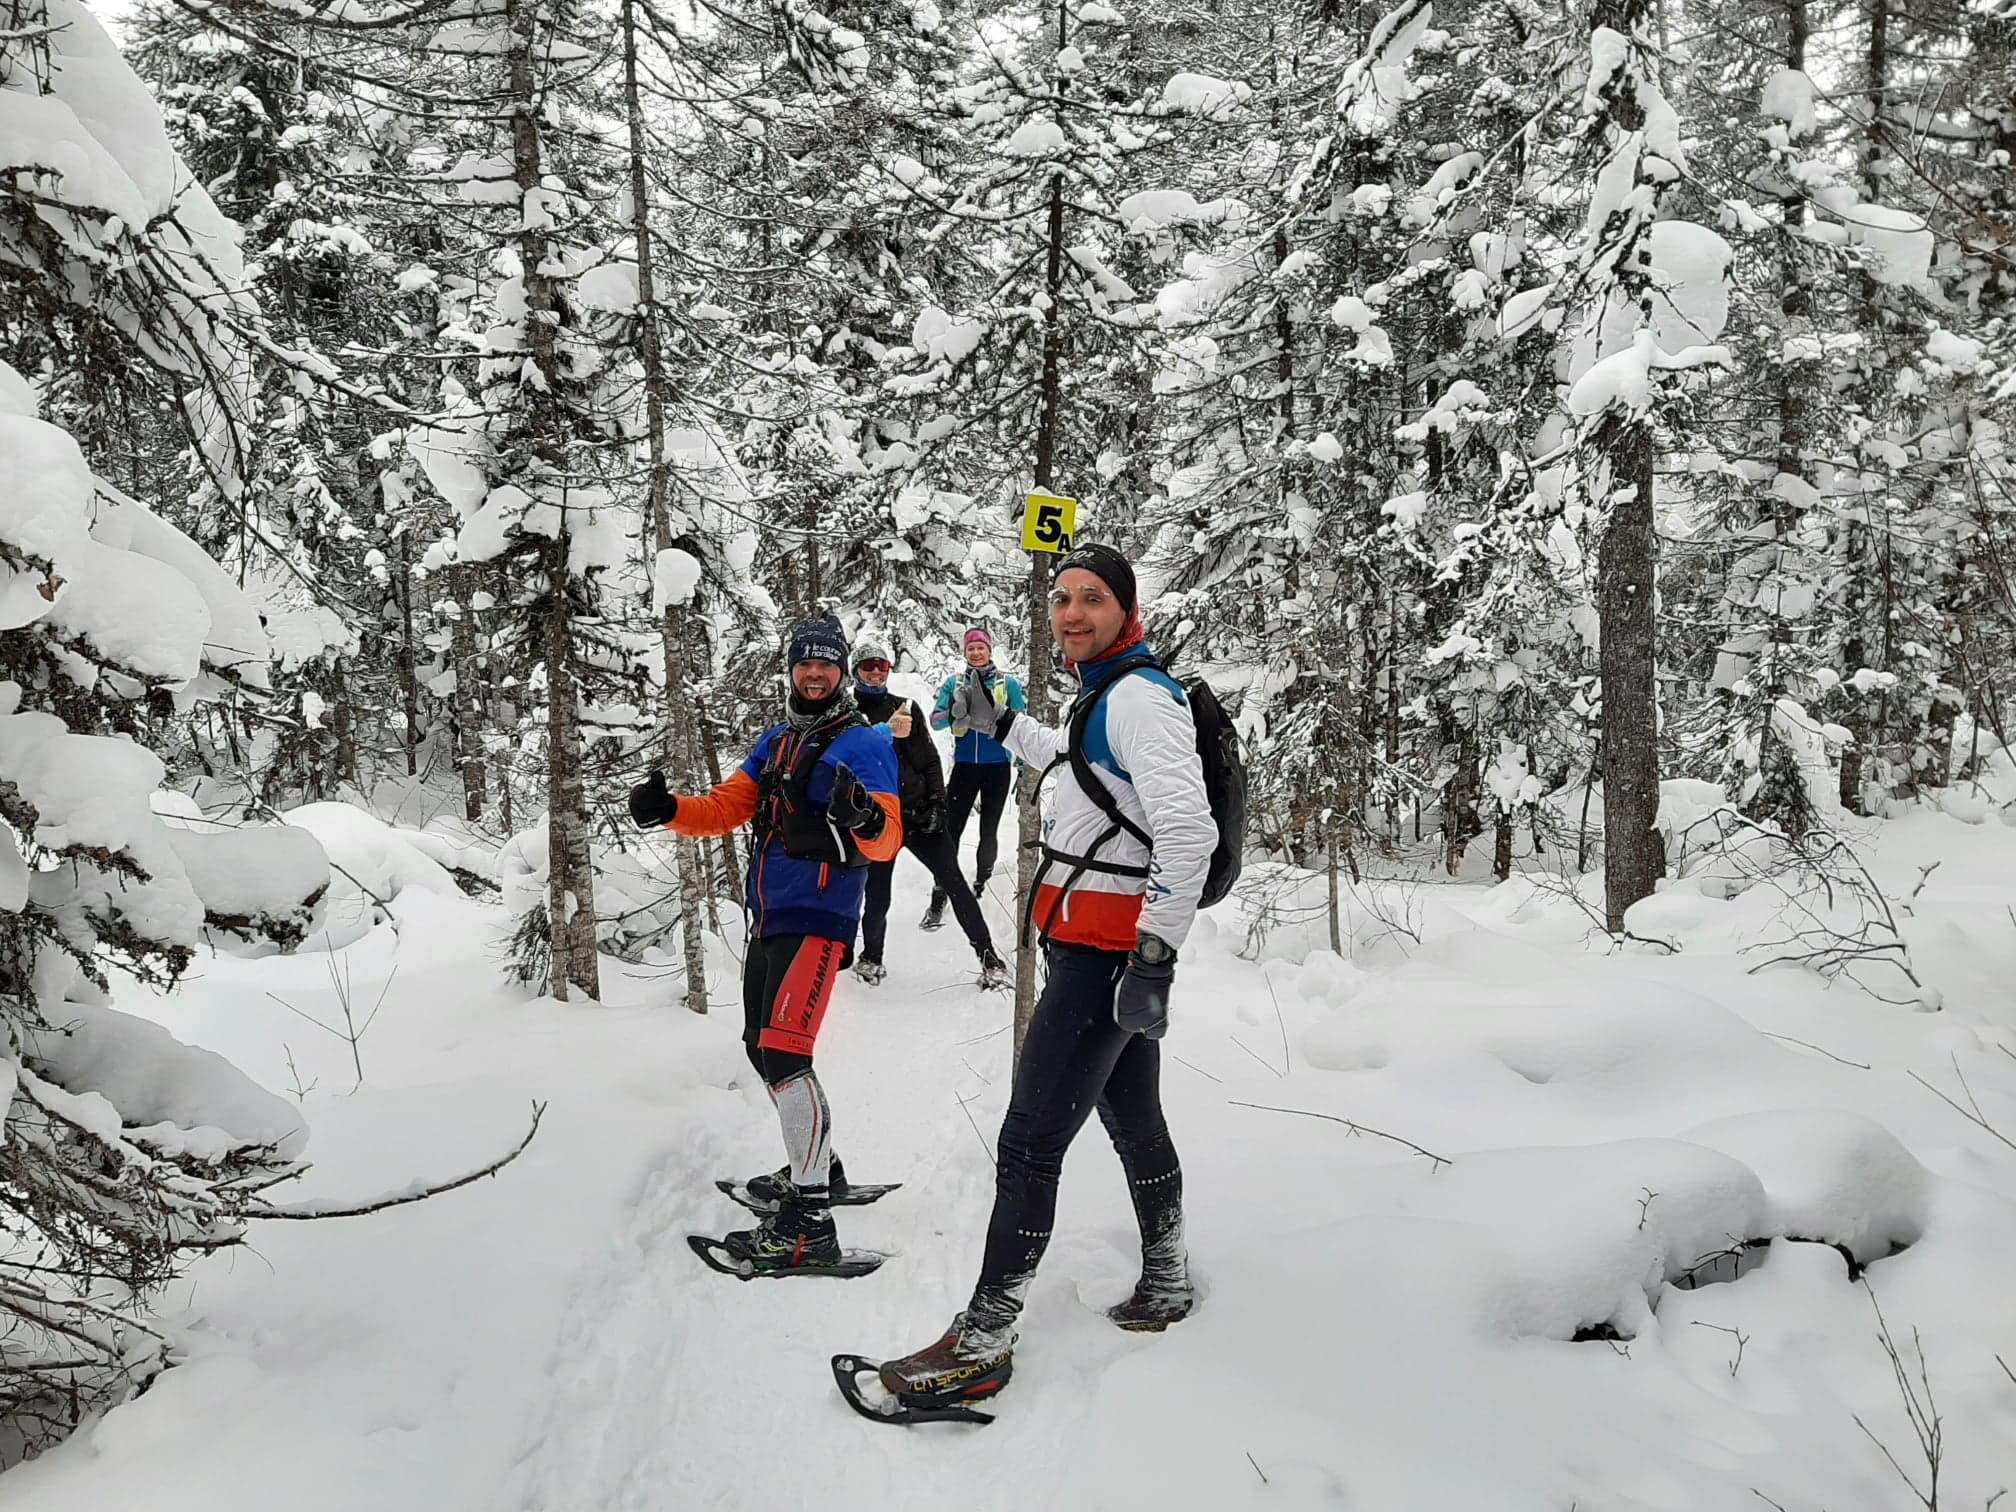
[
  {"x": 1141, "y": 1002},
  {"x": 926, "y": 819},
  {"x": 851, "y": 806},
  {"x": 651, "y": 804},
  {"x": 981, "y": 714}
]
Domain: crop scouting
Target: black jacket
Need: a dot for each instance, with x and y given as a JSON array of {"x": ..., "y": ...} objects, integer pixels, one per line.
[{"x": 921, "y": 780}]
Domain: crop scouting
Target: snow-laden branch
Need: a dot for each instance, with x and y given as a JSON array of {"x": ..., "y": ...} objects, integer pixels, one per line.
[{"x": 418, "y": 1191}]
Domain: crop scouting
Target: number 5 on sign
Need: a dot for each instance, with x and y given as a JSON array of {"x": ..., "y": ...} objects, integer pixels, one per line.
[{"x": 1048, "y": 523}]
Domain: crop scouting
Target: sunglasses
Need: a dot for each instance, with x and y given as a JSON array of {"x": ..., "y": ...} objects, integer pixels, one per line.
[{"x": 871, "y": 666}]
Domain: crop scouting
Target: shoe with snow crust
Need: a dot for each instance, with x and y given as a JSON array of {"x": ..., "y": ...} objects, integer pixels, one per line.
[
  {"x": 934, "y": 913},
  {"x": 993, "y": 970},
  {"x": 799, "y": 1232},
  {"x": 1153, "y": 1307},
  {"x": 961, "y": 1365},
  {"x": 940, "y": 1383},
  {"x": 871, "y": 972}
]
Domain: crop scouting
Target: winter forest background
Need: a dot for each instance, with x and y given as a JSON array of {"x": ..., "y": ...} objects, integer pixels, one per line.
[{"x": 1540, "y": 423}]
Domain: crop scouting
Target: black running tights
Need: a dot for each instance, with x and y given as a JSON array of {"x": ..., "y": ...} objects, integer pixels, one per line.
[{"x": 1075, "y": 1059}]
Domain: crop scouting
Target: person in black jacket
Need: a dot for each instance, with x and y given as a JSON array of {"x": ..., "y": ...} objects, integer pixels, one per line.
[{"x": 922, "y": 791}]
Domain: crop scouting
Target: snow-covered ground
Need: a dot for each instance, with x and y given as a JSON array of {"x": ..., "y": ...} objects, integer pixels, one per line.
[{"x": 1378, "y": 1330}]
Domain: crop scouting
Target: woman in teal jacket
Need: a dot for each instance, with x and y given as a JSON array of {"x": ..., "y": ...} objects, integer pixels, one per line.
[{"x": 981, "y": 769}]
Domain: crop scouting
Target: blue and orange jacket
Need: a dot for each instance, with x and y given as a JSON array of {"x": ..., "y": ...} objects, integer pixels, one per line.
[{"x": 786, "y": 895}]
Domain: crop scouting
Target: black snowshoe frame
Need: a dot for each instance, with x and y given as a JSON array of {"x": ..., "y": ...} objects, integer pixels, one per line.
[
  {"x": 904, "y": 1409},
  {"x": 717, "y": 1256}
]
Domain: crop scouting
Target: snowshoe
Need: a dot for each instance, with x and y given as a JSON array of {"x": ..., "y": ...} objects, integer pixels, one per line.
[
  {"x": 993, "y": 970},
  {"x": 871, "y": 972},
  {"x": 1153, "y": 1308},
  {"x": 934, "y": 913},
  {"x": 938, "y": 1384},
  {"x": 798, "y": 1237},
  {"x": 718, "y": 1256}
]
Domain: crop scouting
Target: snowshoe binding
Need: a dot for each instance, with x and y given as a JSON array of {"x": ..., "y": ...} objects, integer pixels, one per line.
[
  {"x": 940, "y": 1383},
  {"x": 797, "y": 1239},
  {"x": 1153, "y": 1307},
  {"x": 761, "y": 1194},
  {"x": 934, "y": 913}
]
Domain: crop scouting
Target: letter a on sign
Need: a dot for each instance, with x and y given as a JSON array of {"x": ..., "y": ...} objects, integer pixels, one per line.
[{"x": 1048, "y": 523}]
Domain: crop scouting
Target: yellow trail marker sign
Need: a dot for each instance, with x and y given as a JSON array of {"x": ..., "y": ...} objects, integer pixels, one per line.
[{"x": 1049, "y": 521}]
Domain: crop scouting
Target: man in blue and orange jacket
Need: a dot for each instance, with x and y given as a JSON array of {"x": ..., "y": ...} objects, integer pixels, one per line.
[{"x": 822, "y": 790}]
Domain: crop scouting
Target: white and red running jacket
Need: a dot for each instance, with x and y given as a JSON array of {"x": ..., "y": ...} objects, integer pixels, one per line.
[{"x": 1142, "y": 744}]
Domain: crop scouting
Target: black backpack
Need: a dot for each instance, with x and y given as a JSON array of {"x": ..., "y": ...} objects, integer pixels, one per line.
[
  {"x": 1224, "y": 785},
  {"x": 783, "y": 803}
]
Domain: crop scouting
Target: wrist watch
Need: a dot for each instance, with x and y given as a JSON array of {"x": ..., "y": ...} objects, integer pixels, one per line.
[{"x": 1154, "y": 950}]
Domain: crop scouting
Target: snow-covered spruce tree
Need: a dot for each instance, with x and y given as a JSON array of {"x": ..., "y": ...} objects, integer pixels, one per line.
[
  {"x": 1023, "y": 371},
  {"x": 1333, "y": 458},
  {"x": 1748, "y": 494},
  {"x": 1897, "y": 547},
  {"x": 807, "y": 164},
  {"x": 280, "y": 147},
  {"x": 1247, "y": 519},
  {"x": 1651, "y": 298},
  {"x": 124, "y": 1152}
]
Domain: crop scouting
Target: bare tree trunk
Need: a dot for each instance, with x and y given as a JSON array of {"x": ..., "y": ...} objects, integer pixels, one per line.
[
  {"x": 1392, "y": 669},
  {"x": 468, "y": 695},
  {"x": 570, "y": 881},
  {"x": 1866, "y": 726},
  {"x": 1633, "y": 857},
  {"x": 731, "y": 869},
  {"x": 1778, "y": 516},
  {"x": 1049, "y": 421},
  {"x": 409, "y": 655},
  {"x": 1626, "y": 582},
  {"x": 657, "y": 387},
  {"x": 343, "y": 722},
  {"x": 1330, "y": 876}
]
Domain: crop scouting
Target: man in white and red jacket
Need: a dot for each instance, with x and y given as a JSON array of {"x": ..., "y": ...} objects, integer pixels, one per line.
[{"x": 1111, "y": 929}]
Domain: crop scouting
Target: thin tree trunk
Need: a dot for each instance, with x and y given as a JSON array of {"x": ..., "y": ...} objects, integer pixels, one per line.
[
  {"x": 409, "y": 656},
  {"x": 570, "y": 892},
  {"x": 657, "y": 388},
  {"x": 468, "y": 695},
  {"x": 1779, "y": 514},
  {"x": 570, "y": 881},
  {"x": 1330, "y": 876},
  {"x": 1866, "y": 724},
  {"x": 343, "y": 721},
  {"x": 1627, "y": 580},
  {"x": 1049, "y": 421},
  {"x": 1633, "y": 857},
  {"x": 710, "y": 751}
]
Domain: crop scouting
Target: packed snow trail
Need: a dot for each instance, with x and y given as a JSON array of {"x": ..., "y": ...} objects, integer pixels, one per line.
[
  {"x": 1375, "y": 1331},
  {"x": 664, "y": 1363}
]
